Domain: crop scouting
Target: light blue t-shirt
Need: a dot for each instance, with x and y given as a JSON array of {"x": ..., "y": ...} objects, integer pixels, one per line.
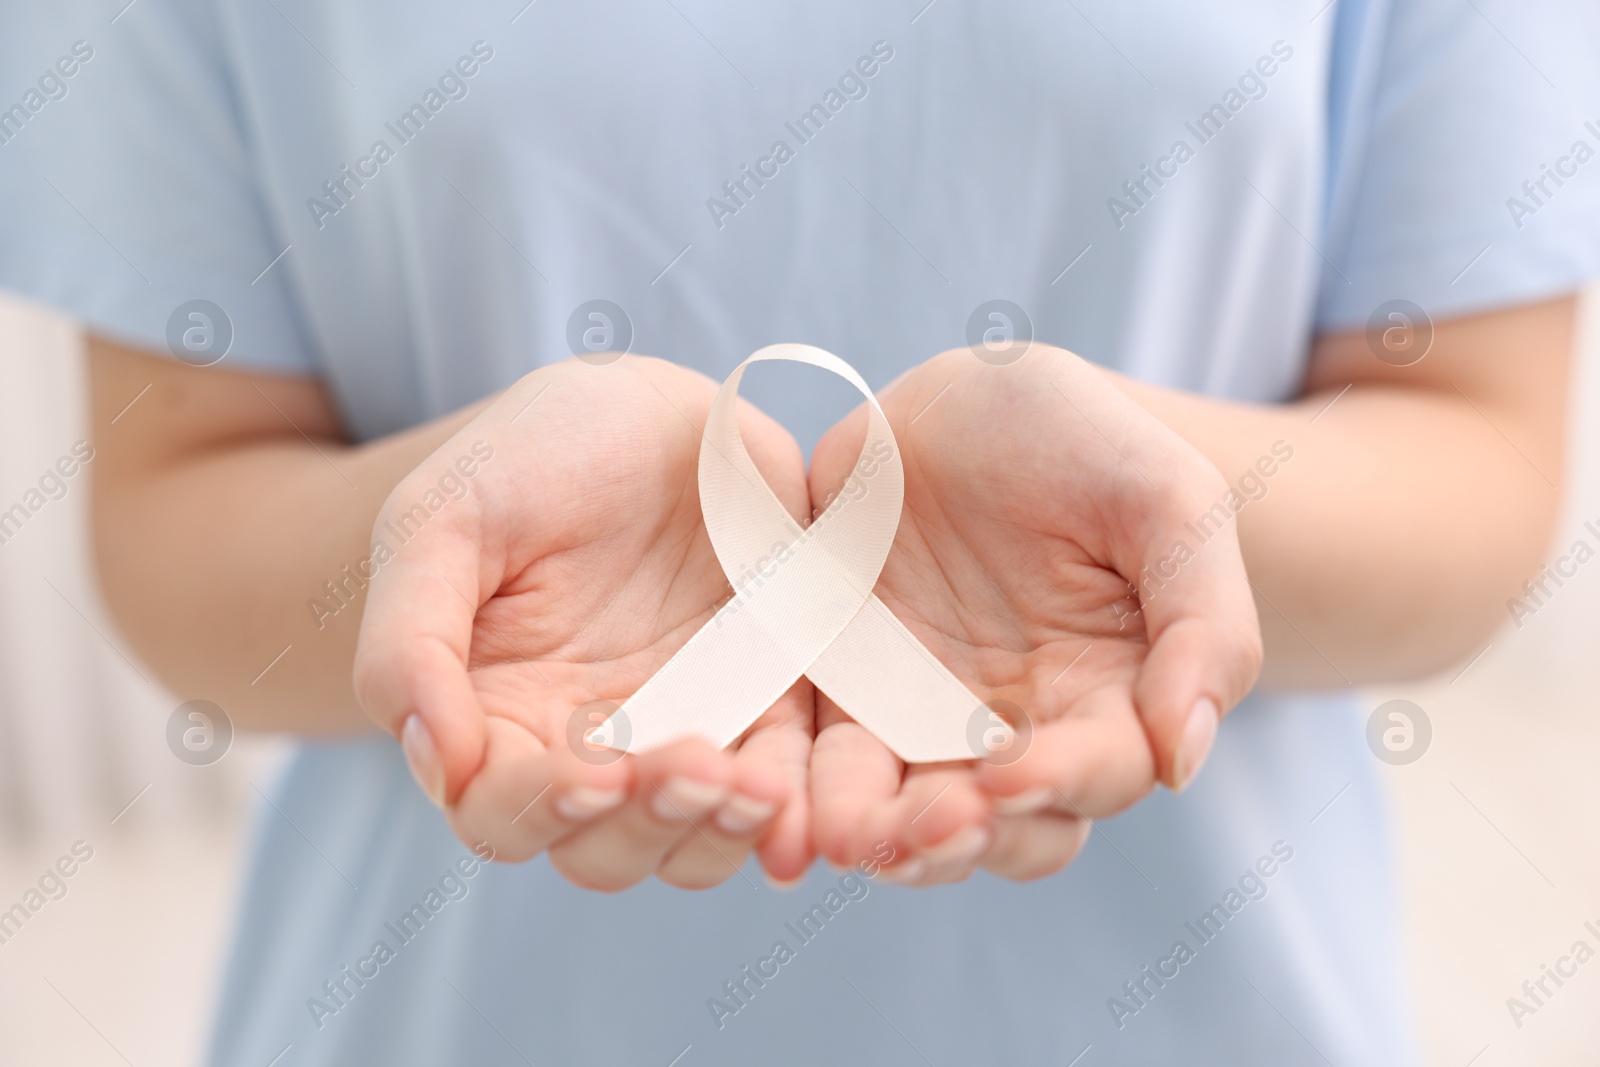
[{"x": 419, "y": 202}]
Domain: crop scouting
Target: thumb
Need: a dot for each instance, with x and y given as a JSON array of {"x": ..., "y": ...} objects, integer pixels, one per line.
[
  {"x": 411, "y": 657},
  {"x": 1205, "y": 640}
]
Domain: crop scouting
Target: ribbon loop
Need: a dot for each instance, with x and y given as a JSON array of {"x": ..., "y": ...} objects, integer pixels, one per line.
[{"x": 803, "y": 603}]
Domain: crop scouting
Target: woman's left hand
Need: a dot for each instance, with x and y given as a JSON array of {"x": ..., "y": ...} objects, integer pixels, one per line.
[{"x": 1038, "y": 498}]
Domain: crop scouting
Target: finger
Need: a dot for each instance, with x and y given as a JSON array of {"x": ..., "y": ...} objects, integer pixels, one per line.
[
  {"x": 1176, "y": 540},
  {"x": 777, "y": 456},
  {"x": 932, "y": 820},
  {"x": 834, "y": 458},
  {"x": 786, "y": 849},
  {"x": 526, "y": 797},
  {"x": 1205, "y": 639},
  {"x": 1094, "y": 762},
  {"x": 1191, "y": 676},
  {"x": 1032, "y": 846},
  {"x": 722, "y": 842},
  {"x": 674, "y": 788},
  {"x": 411, "y": 656},
  {"x": 852, "y": 774},
  {"x": 942, "y": 817}
]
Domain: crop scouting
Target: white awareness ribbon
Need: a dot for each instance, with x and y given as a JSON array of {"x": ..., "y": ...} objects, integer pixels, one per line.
[{"x": 803, "y": 605}]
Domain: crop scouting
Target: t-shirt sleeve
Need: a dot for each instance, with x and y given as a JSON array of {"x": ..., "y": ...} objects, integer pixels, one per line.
[
  {"x": 129, "y": 184},
  {"x": 1473, "y": 180}
]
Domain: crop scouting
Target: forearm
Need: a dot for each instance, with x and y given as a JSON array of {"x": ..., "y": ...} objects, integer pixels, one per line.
[
  {"x": 1387, "y": 544},
  {"x": 214, "y": 562}
]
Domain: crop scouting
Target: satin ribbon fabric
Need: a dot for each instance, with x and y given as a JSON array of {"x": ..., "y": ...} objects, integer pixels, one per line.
[{"x": 803, "y": 605}]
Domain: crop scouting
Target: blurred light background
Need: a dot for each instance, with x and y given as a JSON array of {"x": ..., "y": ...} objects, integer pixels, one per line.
[{"x": 1496, "y": 825}]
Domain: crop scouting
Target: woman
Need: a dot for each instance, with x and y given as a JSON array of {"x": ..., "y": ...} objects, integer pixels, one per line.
[{"x": 1298, "y": 242}]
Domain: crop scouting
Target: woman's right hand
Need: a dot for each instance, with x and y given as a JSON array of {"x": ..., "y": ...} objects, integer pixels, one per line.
[{"x": 573, "y": 564}]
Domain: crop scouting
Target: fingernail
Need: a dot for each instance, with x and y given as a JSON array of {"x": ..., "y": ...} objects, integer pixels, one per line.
[
  {"x": 963, "y": 846},
  {"x": 684, "y": 799},
  {"x": 422, "y": 756},
  {"x": 904, "y": 873},
  {"x": 582, "y": 802},
  {"x": 1024, "y": 803},
  {"x": 1198, "y": 734},
  {"x": 785, "y": 887},
  {"x": 742, "y": 815}
]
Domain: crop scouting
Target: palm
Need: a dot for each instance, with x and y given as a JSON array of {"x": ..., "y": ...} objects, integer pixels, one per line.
[
  {"x": 583, "y": 561},
  {"x": 1003, "y": 557},
  {"x": 604, "y": 576},
  {"x": 1012, "y": 564}
]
